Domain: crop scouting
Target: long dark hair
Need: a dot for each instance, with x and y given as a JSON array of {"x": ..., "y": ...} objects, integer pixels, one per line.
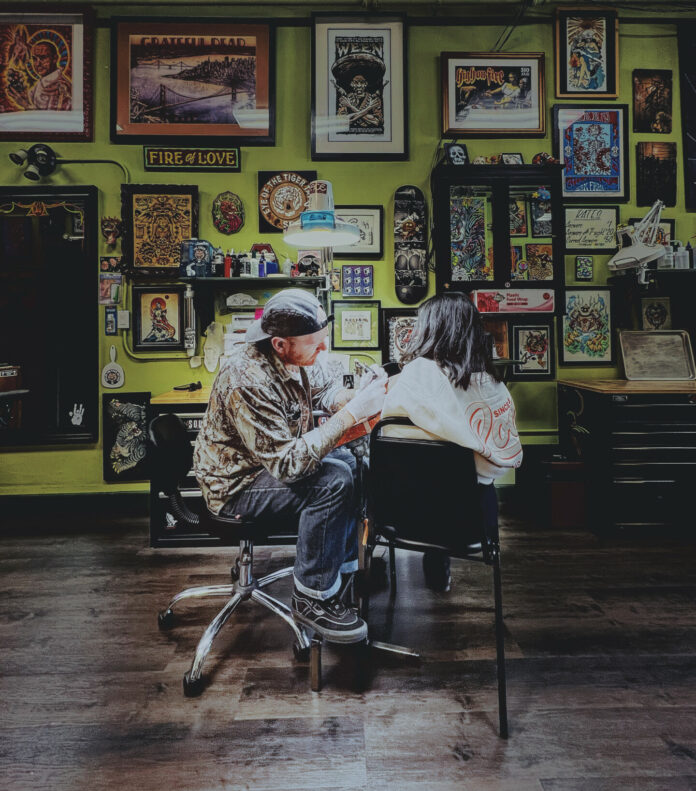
[{"x": 449, "y": 330}]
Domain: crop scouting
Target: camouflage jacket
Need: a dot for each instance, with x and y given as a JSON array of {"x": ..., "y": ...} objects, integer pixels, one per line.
[{"x": 260, "y": 417}]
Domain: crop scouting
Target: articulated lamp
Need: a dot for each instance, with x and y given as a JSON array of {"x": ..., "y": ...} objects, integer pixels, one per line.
[
  {"x": 637, "y": 244},
  {"x": 318, "y": 226},
  {"x": 41, "y": 160}
]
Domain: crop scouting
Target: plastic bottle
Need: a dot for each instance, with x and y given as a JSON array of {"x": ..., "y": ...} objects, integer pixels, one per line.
[
  {"x": 254, "y": 270},
  {"x": 681, "y": 258},
  {"x": 667, "y": 260},
  {"x": 287, "y": 267},
  {"x": 228, "y": 263},
  {"x": 262, "y": 266},
  {"x": 271, "y": 267},
  {"x": 690, "y": 252}
]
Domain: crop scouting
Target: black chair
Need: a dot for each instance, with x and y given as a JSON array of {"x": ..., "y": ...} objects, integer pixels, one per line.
[
  {"x": 172, "y": 455},
  {"x": 424, "y": 494}
]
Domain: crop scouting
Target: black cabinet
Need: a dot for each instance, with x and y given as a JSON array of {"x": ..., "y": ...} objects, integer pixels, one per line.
[{"x": 638, "y": 443}]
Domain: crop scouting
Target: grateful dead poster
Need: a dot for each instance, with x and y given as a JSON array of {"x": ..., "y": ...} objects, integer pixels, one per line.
[
  {"x": 468, "y": 250},
  {"x": 652, "y": 101},
  {"x": 532, "y": 351},
  {"x": 45, "y": 75},
  {"x": 591, "y": 143},
  {"x": 586, "y": 337},
  {"x": 358, "y": 89},
  {"x": 124, "y": 433}
]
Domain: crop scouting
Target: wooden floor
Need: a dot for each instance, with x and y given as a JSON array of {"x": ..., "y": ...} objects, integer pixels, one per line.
[{"x": 601, "y": 642}]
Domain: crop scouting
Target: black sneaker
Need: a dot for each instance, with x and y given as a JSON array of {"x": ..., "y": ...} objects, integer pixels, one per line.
[
  {"x": 436, "y": 567},
  {"x": 330, "y": 618}
]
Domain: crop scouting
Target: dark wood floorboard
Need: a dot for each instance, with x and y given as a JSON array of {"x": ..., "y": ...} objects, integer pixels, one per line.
[{"x": 600, "y": 639}]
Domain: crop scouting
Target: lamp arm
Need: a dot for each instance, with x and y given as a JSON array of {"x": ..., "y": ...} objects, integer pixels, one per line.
[{"x": 96, "y": 161}]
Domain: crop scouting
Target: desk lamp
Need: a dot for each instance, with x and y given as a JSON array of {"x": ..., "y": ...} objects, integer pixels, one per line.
[
  {"x": 640, "y": 248},
  {"x": 318, "y": 226}
]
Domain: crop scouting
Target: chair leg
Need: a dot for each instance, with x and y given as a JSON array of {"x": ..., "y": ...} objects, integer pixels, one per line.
[
  {"x": 392, "y": 570},
  {"x": 315, "y": 664},
  {"x": 284, "y": 612},
  {"x": 500, "y": 649}
]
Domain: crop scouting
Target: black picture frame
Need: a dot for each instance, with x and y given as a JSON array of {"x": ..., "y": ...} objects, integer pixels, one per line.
[
  {"x": 567, "y": 350},
  {"x": 530, "y": 354},
  {"x": 686, "y": 37},
  {"x": 340, "y": 306},
  {"x": 606, "y": 54},
  {"x": 148, "y": 209},
  {"x": 656, "y": 172},
  {"x": 391, "y": 145},
  {"x": 589, "y": 239},
  {"x": 364, "y": 217},
  {"x": 124, "y": 434},
  {"x": 540, "y": 224},
  {"x": 150, "y": 335},
  {"x": 652, "y": 101},
  {"x": 124, "y": 129},
  {"x": 462, "y": 157},
  {"x": 391, "y": 346},
  {"x": 510, "y": 158}
]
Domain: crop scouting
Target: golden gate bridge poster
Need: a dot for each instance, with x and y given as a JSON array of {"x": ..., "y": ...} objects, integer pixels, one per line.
[{"x": 202, "y": 80}]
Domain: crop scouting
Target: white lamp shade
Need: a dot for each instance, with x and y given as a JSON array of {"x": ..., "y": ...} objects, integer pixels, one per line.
[{"x": 332, "y": 232}]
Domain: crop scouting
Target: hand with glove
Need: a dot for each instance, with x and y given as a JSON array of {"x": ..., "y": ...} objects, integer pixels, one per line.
[
  {"x": 372, "y": 374},
  {"x": 368, "y": 400}
]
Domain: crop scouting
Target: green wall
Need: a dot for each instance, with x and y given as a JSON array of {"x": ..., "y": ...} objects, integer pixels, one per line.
[{"x": 641, "y": 46}]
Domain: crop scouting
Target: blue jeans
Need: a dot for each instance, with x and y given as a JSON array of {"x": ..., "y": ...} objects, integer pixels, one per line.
[{"x": 323, "y": 507}]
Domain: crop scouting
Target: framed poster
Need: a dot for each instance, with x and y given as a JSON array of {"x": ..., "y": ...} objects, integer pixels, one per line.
[
  {"x": 157, "y": 218},
  {"x": 357, "y": 280},
  {"x": 592, "y": 145},
  {"x": 471, "y": 242},
  {"x": 686, "y": 34},
  {"x": 652, "y": 101},
  {"x": 497, "y": 329},
  {"x": 586, "y": 336},
  {"x": 158, "y": 318},
  {"x": 587, "y": 53},
  {"x": 656, "y": 173},
  {"x": 355, "y": 325},
  {"x": 518, "y": 217},
  {"x": 397, "y": 328},
  {"x": 665, "y": 229},
  {"x": 124, "y": 430},
  {"x": 369, "y": 220},
  {"x": 540, "y": 264},
  {"x": 533, "y": 350},
  {"x": 199, "y": 81},
  {"x": 359, "y": 87},
  {"x": 591, "y": 228},
  {"x": 492, "y": 94},
  {"x": 584, "y": 267},
  {"x": 283, "y": 196},
  {"x": 540, "y": 211},
  {"x": 46, "y": 72}
]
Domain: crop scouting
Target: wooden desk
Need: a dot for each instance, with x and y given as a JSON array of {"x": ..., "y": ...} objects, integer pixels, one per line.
[
  {"x": 183, "y": 397},
  {"x": 638, "y": 442}
]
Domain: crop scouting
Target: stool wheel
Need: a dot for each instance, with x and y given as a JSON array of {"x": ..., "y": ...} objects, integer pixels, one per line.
[
  {"x": 165, "y": 619},
  {"x": 193, "y": 688},
  {"x": 301, "y": 653},
  {"x": 234, "y": 571}
]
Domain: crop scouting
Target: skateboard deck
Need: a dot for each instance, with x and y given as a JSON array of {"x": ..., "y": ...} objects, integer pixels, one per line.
[{"x": 410, "y": 269}]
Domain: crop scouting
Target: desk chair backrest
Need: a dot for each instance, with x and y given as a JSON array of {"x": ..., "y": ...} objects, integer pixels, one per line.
[
  {"x": 171, "y": 456},
  {"x": 424, "y": 491}
]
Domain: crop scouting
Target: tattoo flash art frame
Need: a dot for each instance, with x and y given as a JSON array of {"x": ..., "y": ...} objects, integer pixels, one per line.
[
  {"x": 124, "y": 433},
  {"x": 533, "y": 349},
  {"x": 369, "y": 220},
  {"x": 592, "y": 144},
  {"x": 397, "y": 327},
  {"x": 493, "y": 94},
  {"x": 587, "y": 53},
  {"x": 359, "y": 91},
  {"x": 158, "y": 318},
  {"x": 201, "y": 81},
  {"x": 46, "y": 63},
  {"x": 586, "y": 334},
  {"x": 157, "y": 218},
  {"x": 356, "y": 325}
]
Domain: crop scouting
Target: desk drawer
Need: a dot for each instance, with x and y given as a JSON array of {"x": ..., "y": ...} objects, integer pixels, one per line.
[
  {"x": 645, "y": 501},
  {"x": 653, "y": 454}
]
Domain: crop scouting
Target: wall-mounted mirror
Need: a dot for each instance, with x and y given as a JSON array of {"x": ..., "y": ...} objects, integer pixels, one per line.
[{"x": 48, "y": 315}]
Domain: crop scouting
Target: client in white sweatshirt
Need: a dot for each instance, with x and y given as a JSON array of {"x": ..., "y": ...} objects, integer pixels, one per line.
[{"x": 450, "y": 389}]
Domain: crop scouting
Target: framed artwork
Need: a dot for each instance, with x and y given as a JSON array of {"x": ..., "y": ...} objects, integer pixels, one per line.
[
  {"x": 492, "y": 94},
  {"x": 357, "y": 280},
  {"x": 46, "y": 64},
  {"x": 518, "y": 263},
  {"x": 539, "y": 259},
  {"x": 356, "y": 325},
  {"x": 512, "y": 159},
  {"x": 592, "y": 145},
  {"x": 124, "y": 430},
  {"x": 586, "y": 336},
  {"x": 369, "y": 220},
  {"x": 591, "y": 228},
  {"x": 656, "y": 173},
  {"x": 655, "y": 313},
  {"x": 587, "y": 53},
  {"x": 158, "y": 318},
  {"x": 283, "y": 196},
  {"x": 397, "y": 327},
  {"x": 470, "y": 242},
  {"x": 584, "y": 267},
  {"x": 498, "y": 331},
  {"x": 686, "y": 37},
  {"x": 335, "y": 281},
  {"x": 157, "y": 218},
  {"x": 456, "y": 154},
  {"x": 665, "y": 229},
  {"x": 540, "y": 212},
  {"x": 533, "y": 350},
  {"x": 518, "y": 217},
  {"x": 359, "y": 87},
  {"x": 652, "y": 101},
  {"x": 198, "y": 80}
]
